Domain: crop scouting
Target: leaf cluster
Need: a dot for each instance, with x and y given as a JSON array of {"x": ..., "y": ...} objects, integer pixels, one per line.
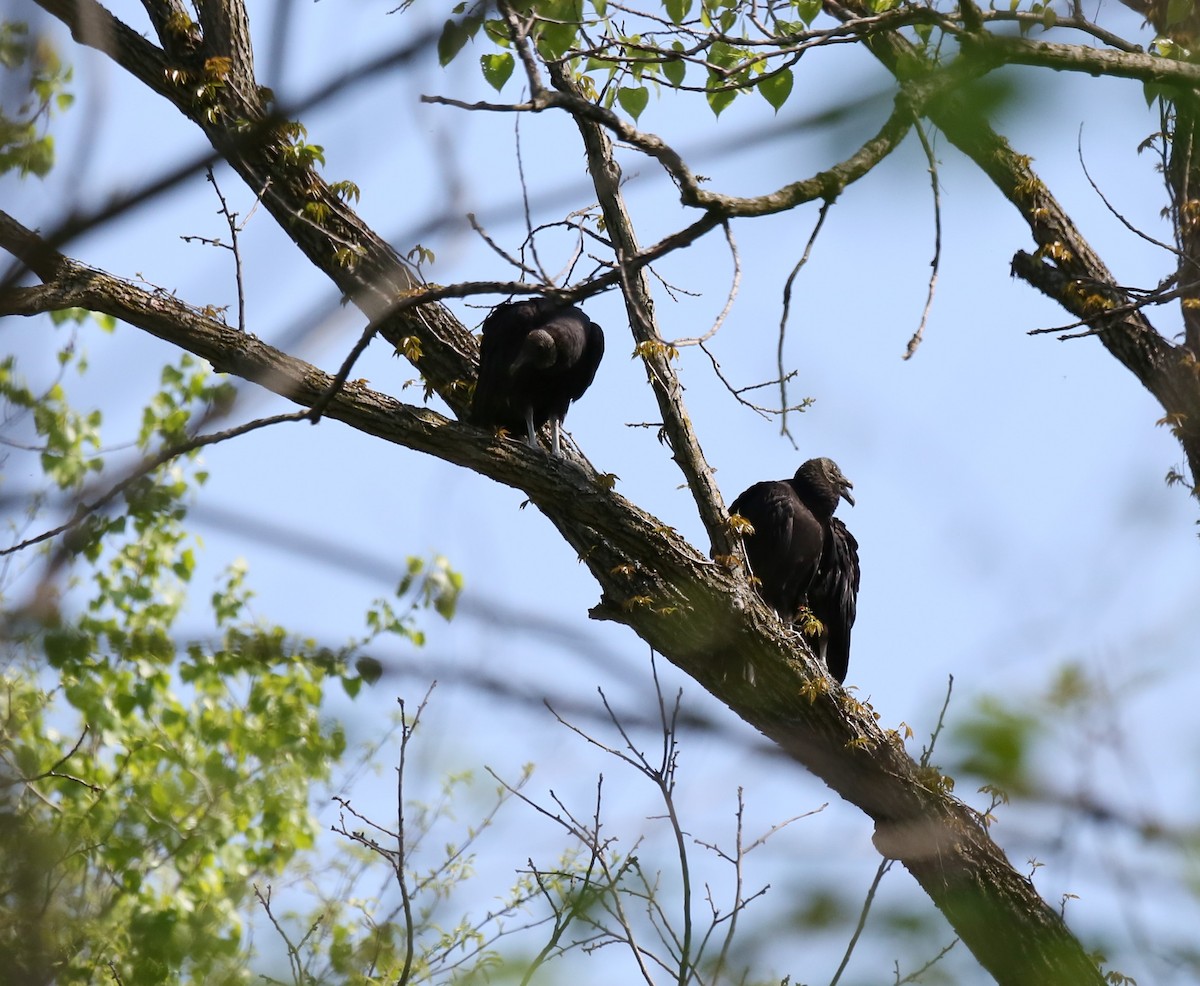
[
  {"x": 151, "y": 781},
  {"x": 37, "y": 72}
]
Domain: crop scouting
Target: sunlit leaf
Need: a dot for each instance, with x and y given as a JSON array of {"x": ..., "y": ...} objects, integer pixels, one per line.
[
  {"x": 678, "y": 10},
  {"x": 674, "y": 69},
  {"x": 776, "y": 88},
  {"x": 807, "y": 10},
  {"x": 633, "y": 101},
  {"x": 719, "y": 99},
  {"x": 497, "y": 68}
]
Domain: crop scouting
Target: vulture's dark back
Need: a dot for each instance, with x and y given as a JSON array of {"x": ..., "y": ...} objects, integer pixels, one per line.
[
  {"x": 504, "y": 389},
  {"x": 802, "y": 555},
  {"x": 786, "y": 545}
]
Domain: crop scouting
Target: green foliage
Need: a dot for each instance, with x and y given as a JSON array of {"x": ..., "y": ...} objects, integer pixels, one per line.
[
  {"x": 70, "y": 441},
  {"x": 996, "y": 741},
  {"x": 776, "y": 88},
  {"x": 35, "y": 70},
  {"x": 611, "y": 58},
  {"x": 150, "y": 782}
]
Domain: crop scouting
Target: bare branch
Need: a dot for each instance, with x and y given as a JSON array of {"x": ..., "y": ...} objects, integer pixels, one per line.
[
  {"x": 884, "y": 866},
  {"x": 83, "y": 509},
  {"x": 936, "y": 263},
  {"x": 783, "y": 377}
]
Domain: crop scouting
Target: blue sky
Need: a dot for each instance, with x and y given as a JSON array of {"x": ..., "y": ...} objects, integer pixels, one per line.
[{"x": 1011, "y": 511}]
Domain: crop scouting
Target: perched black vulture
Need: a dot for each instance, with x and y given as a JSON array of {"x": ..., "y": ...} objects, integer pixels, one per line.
[
  {"x": 802, "y": 555},
  {"x": 535, "y": 358}
]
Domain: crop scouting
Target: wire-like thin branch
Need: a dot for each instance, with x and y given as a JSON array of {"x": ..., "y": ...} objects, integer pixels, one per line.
[
  {"x": 783, "y": 319},
  {"x": 84, "y": 509},
  {"x": 884, "y": 866},
  {"x": 407, "y": 728},
  {"x": 936, "y": 263},
  {"x": 729, "y": 298},
  {"x": 941, "y": 721}
]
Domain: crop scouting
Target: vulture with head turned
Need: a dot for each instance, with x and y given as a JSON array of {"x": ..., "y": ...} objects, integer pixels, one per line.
[
  {"x": 536, "y": 357},
  {"x": 803, "y": 556}
]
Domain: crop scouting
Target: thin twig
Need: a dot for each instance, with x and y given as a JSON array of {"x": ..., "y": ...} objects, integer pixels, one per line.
[
  {"x": 234, "y": 229},
  {"x": 937, "y": 730},
  {"x": 148, "y": 465},
  {"x": 884, "y": 866},
  {"x": 499, "y": 250},
  {"x": 729, "y": 298},
  {"x": 936, "y": 263},
  {"x": 525, "y": 199},
  {"x": 915, "y": 975},
  {"x": 1111, "y": 208},
  {"x": 406, "y": 732},
  {"x": 787, "y": 304}
]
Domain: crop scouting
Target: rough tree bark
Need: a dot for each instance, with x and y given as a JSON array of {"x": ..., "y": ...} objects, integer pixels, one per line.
[{"x": 700, "y": 615}]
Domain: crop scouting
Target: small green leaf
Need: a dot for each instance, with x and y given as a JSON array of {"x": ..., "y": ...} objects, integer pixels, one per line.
[
  {"x": 777, "y": 88},
  {"x": 678, "y": 10},
  {"x": 717, "y": 101},
  {"x": 452, "y": 39},
  {"x": 718, "y": 95},
  {"x": 369, "y": 669},
  {"x": 807, "y": 10},
  {"x": 497, "y": 68},
  {"x": 674, "y": 69},
  {"x": 633, "y": 101}
]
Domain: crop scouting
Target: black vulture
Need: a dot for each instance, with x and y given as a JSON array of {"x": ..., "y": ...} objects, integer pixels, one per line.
[
  {"x": 535, "y": 358},
  {"x": 803, "y": 556}
]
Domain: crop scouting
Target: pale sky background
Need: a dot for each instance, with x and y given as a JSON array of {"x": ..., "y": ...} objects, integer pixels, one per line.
[{"x": 1012, "y": 514}]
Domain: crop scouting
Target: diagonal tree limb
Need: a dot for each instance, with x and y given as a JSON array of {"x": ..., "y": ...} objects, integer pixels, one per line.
[
  {"x": 696, "y": 614},
  {"x": 234, "y": 113}
]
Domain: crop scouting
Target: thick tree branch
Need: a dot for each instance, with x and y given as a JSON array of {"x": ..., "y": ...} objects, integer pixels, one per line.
[
  {"x": 697, "y": 614},
  {"x": 266, "y": 153},
  {"x": 1005, "y": 50}
]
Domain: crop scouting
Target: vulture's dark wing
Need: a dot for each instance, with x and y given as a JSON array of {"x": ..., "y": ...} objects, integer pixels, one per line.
[
  {"x": 785, "y": 548},
  {"x": 504, "y": 331},
  {"x": 587, "y": 361},
  {"x": 833, "y": 596}
]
